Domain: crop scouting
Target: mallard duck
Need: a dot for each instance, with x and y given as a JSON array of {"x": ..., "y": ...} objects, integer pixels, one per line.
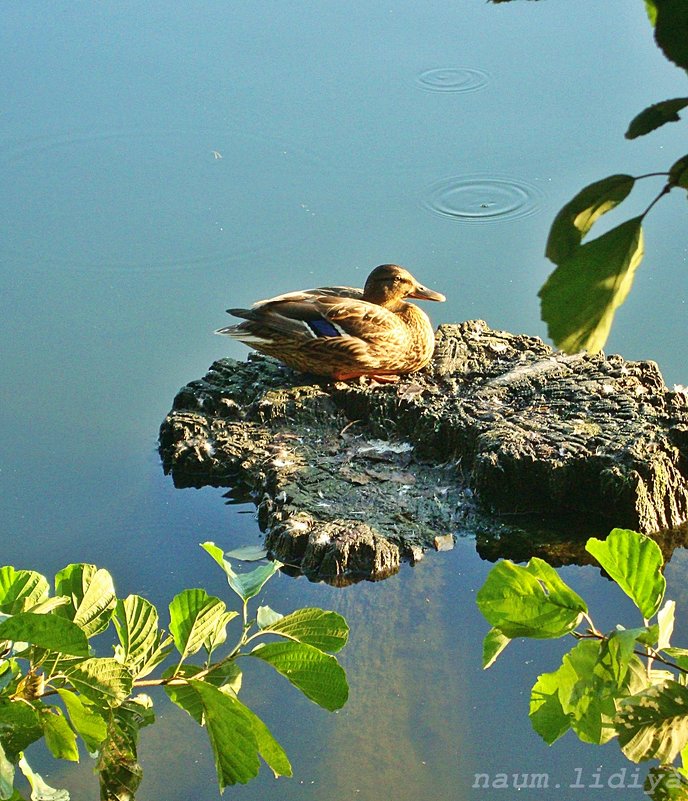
[{"x": 342, "y": 332}]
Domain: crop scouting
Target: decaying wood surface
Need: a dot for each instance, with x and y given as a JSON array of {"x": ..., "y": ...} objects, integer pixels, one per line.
[{"x": 351, "y": 477}]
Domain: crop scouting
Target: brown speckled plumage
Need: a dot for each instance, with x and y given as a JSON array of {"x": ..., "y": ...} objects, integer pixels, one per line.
[{"x": 343, "y": 332}]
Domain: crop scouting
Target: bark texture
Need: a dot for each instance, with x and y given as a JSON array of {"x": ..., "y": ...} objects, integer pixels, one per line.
[{"x": 349, "y": 478}]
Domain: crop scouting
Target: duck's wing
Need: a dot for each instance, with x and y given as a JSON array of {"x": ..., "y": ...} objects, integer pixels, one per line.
[
  {"x": 316, "y": 316},
  {"x": 310, "y": 294}
]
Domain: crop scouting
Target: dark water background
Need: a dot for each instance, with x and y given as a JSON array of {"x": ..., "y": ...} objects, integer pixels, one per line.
[{"x": 443, "y": 136}]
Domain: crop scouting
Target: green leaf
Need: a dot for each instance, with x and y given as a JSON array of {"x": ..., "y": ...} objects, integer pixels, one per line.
[
  {"x": 318, "y": 675},
  {"x": 269, "y": 749},
  {"x": 580, "y": 297},
  {"x": 59, "y": 736},
  {"x": 529, "y": 601},
  {"x": 141, "y": 645},
  {"x": 245, "y": 585},
  {"x": 655, "y": 116},
  {"x": 654, "y": 723},
  {"x": 21, "y": 589},
  {"x": 679, "y": 656},
  {"x": 671, "y": 30},
  {"x": 231, "y": 733},
  {"x": 219, "y": 634},
  {"x": 227, "y": 678},
  {"x": 578, "y": 216},
  {"x": 546, "y": 714},
  {"x": 104, "y": 681},
  {"x": 678, "y": 174},
  {"x": 40, "y": 791},
  {"x": 194, "y": 617},
  {"x": 493, "y": 645},
  {"x": 19, "y": 727},
  {"x": 46, "y": 631},
  {"x": 92, "y": 596},
  {"x": 90, "y": 725},
  {"x": 119, "y": 770},
  {"x": 634, "y": 562},
  {"x": 665, "y": 783},
  {"x": 322, "y": 629}
]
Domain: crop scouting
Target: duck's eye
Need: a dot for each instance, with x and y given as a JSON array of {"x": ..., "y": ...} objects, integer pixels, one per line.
[{"x": 397, "y": 278}]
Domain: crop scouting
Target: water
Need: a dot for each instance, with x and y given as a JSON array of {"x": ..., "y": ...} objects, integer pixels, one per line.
[{"x": 160, "y": 164}]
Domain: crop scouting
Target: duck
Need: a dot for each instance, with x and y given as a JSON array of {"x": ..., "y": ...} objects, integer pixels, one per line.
[{"x": 342, "y": 332}]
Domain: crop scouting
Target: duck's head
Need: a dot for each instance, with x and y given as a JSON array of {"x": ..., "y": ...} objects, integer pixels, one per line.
[{"x": 388, "y": 285}]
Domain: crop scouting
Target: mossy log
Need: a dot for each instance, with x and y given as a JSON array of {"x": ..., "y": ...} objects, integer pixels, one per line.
[{"x": 351, "y": 477}]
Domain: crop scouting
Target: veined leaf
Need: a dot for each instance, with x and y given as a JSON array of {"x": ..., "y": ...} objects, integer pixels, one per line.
[
  {"x": 194, "y": 617},
  {"x": 104, "y": 681},
  {"x": 318, "y": 675},
  {"x": 493, "y": 645},
  {"x": 231, "y": 734},
  {"x": 580, "y": 298},
  {"x": 322, "y": 629},
  {"x": 227, "y": 678},
  {"x": 634, "y": 562},
  {"x": 655, "y": 116},
  {"x": 21, "y": 589},
  {"x": 654, "y": 723},
  {"x": 245, "y": 585},
  {"x": 89, "y": 724},
  {"x": 47, "y": 631},
  {"x": 141, "y": 645},
  {"x": 92, "y": 595},
  {"x": 59, "y": 736},
  {"x": 528, "y": 601},
  {"x": 578, "y": 216}
]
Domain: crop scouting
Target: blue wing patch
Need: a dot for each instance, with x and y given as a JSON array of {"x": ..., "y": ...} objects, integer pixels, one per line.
[{"x": 323, "y": 328}]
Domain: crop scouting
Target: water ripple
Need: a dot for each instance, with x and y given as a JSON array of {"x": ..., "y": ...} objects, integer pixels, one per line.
[
  {"x": 453, "y": 79},
  {"x": 482, "y": 198}
]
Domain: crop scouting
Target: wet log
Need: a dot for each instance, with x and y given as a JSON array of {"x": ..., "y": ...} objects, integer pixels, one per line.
[{"x": 350, "y": 477}]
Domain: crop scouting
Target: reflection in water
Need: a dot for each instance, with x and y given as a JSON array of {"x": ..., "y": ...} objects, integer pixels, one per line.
[{"x": 483, "y": 198}]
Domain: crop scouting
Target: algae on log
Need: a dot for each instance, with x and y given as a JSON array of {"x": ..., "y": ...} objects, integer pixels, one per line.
[{"x": 349, "y": 477}]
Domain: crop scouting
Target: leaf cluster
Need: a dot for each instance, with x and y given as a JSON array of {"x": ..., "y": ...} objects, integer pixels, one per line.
[
  {"x": 629, "y": 683},
  {"x": 53, "y": 686},
  {"x": 593, "y": 278}
]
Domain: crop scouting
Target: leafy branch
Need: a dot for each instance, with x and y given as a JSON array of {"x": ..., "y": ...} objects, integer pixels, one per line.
[
  {"x": 607, "y": 685},
  {"x": 593, "y": 278},
  {"x": 45, "y": 652}
]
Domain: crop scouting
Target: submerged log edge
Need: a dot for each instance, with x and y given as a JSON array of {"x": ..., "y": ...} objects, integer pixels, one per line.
[{"x": 350, "y": 478}]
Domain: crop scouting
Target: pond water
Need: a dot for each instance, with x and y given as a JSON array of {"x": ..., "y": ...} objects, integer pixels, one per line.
[{"x": 159, "y": 163}]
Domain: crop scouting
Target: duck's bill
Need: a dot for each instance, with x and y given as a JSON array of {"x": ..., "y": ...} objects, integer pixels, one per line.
[{"x": 423, "y": 293}]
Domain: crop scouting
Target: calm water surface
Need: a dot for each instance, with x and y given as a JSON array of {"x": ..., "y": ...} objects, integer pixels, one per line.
[{"x": 160, "y": 163}]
